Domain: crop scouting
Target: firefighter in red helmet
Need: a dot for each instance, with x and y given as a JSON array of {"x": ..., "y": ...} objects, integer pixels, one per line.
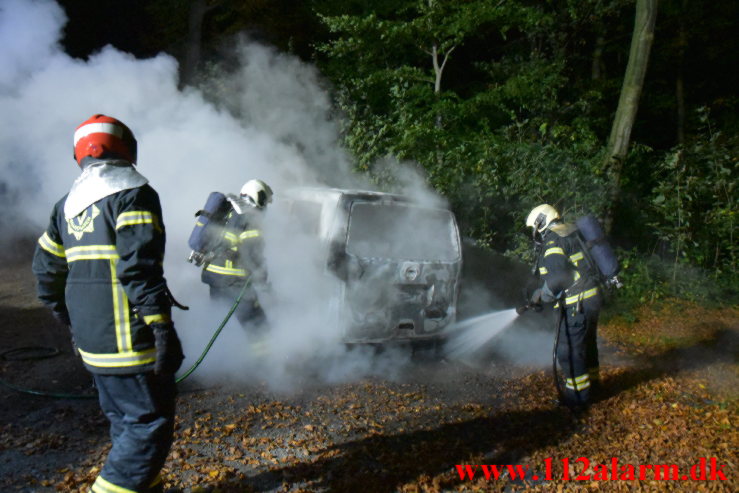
[{"x": 99, "y": 269}]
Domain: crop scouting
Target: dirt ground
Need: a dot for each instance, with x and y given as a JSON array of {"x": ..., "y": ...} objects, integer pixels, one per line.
[{"x": 666, "y": 400}]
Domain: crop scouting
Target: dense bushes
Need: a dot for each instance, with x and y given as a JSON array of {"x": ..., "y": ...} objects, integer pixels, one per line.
[{"x": 519, "y": 116}]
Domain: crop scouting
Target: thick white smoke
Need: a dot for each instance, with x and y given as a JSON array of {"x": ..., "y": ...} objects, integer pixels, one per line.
[
  {"x": 189, "y": 145},
  {"x": 268, "y": 119}
]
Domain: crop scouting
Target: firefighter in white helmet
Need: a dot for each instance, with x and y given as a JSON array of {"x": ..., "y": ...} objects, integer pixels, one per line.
[
  {"x": 239, "y": 255},
  {"x": 570, "y": 281}
]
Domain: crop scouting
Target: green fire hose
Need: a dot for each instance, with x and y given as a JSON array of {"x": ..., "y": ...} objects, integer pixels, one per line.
[
  {"x": 48, "y": 352},
  {"x": 216, "y": 333}
]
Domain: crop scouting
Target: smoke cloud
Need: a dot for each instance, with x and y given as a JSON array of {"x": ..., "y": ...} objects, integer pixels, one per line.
[{"x": 270, "y": 118}]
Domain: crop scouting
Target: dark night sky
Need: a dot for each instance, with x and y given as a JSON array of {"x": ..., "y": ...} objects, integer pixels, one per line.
[{"x": 92, "y": 25}]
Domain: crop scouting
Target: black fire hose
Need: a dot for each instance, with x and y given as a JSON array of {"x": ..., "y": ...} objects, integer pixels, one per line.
[
  {"x": 555, "y": 373},
  {"x": 560, "y": 317},
  {"x": 48, "y": 352},
  {"x": 41, "y": 352}
]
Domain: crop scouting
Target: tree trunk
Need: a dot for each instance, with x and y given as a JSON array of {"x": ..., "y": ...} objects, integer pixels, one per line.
[
  {"x": 680, "y": 79},
  {"x": 628, "y": 103},
  {"x": 196, "y": 16},
  {"x": 596, "y": 70}
]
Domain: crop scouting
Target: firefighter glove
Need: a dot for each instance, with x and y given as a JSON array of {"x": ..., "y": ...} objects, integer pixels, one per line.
[
  {"x": 536, "y": 297},
  {"x": 168, "y": 348},
  {"x": 536, "y": 300}
]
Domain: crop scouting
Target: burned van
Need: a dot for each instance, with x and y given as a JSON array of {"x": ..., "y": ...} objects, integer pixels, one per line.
[{"x": 398, "y": 262}]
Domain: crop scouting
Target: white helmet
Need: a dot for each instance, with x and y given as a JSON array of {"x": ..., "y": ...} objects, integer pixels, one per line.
[
  {"x": 258, "y": 192},
  {"x": 541, "y": 217}
]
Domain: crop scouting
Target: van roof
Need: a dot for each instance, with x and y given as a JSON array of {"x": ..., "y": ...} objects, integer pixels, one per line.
[{"x": 318, "y": 194}]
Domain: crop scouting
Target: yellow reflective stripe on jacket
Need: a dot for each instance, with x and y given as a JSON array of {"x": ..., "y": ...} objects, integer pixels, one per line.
[
  {"x": 250, "y": 233},
  {"x": 571, "y": 300},
  {"x": 120, "y": 313},
  {"x": 158, "y": 318},
  {"x": 134, "y": 217},
  {"x": 101, "y": 485},
  {"x": 575, "y": 258},
  {"x": 543, "y": 271},
  {"x": 554, "y": 250},
  {"x": 231, "y": 237},
  {"x": 119, "y": 360},
  {"x": 50, "y": 246},
  {"x": 226, "y": 271},
  {"x": 91, "y": 252}
]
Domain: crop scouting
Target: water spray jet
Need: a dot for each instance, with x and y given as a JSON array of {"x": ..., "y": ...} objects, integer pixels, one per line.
[{"x": 467, "y": 336}]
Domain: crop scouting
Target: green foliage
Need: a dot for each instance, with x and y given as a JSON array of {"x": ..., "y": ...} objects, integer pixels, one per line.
[
  {"x": 649, "y": 278},
  {"x": 502, "y": 107},
  {"x": 694, "y": 203},
  {"x": 490, "y": 117}
]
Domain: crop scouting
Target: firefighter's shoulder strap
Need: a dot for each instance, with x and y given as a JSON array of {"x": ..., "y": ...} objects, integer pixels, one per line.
[{"x": 563, "y": 229}]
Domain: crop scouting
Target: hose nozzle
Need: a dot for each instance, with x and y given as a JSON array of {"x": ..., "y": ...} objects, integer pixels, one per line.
[{"x": 529, "y": 306}]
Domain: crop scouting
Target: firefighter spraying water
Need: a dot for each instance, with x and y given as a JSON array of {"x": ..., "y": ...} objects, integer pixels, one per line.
[
  {"x": 575, "y": 264},
  {"x": 227, "y": 242}
]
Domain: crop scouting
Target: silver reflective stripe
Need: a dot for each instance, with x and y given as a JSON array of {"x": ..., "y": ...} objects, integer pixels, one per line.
[
  {"x": 91, "y": 252},
  {"x": 578, "y": 383},
  {"x": 554, "y": 250},
  {"x": 571, "y": 300},
  {"x": 225, "y": 271},
  {"x": 51, "y": 246},
  {"x": 134, "y": 217},
  {"x": 101, "y": 485},
  {"x": 117, "y": 360},
  {"x": 250, "y": 233},
  {"x": 120, "y": 312}
]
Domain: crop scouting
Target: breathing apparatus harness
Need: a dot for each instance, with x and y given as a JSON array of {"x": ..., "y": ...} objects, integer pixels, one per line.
[{"x": 204, "y": 239}]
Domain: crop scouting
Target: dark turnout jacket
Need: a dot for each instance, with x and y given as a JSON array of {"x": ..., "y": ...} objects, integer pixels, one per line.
[
  {"x": 103, "y": 270},
  {"x": 240, "y": 252},
  {"x": 563, "y": 266}
]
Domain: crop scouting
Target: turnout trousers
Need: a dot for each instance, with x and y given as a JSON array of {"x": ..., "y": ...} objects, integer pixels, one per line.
[
  {"x": 249, "y": 312},
  {"x": 141, "y": 410},
  {"x": 577, "y": 350}
]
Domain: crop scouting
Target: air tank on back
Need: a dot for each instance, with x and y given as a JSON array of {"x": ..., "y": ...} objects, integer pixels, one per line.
[{"x": 599, "y": 248}]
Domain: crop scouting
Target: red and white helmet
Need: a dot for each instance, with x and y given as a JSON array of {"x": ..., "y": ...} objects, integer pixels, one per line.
[{"x": 100, "y": 134}]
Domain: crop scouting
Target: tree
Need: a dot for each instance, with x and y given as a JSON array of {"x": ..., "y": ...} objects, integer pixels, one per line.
[
  {"x": 628, "y": 103},
  {"x": 193, "y": 44},
  {"x": 485, "y": 95},
  {"x": 200, "y": 32}
]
